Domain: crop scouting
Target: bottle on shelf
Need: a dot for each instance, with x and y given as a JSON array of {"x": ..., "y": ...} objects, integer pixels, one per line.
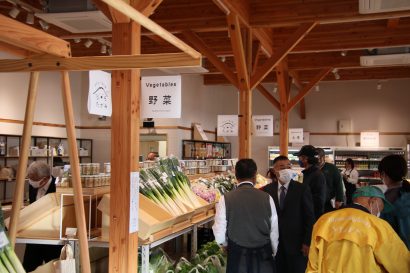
[{"x": 2, "y": 148}]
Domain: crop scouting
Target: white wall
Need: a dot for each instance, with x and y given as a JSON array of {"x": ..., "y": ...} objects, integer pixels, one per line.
[{"x": 383, "y": 110}]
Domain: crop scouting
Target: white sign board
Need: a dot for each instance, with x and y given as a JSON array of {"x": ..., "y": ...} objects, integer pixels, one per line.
[
  {"x": 161, "y": 97},
  {"x": 369, "y": 139},
  {"x": 99, "y": 93},
  {"x": 296, "y": 135},
  {"x": 262, "y": 125},
  {"x": 227, "y": 125},
  {"x": 134, "y": 200}
]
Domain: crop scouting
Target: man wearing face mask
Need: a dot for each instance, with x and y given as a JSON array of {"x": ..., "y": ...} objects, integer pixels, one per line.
[
  {"x": 40, "y": 183},
  {"x": 295, "y": 215},
  {"x": 313, "y": 177},
  {"x": 354, "y": 239}
]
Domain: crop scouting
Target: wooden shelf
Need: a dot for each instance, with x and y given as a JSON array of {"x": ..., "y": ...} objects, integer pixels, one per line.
[{"x": 97, "y": 191}]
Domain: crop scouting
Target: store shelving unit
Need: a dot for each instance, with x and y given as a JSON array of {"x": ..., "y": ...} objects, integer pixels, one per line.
[
  {"x": 200, "y": 149},
  {"x": 10, "y": 152},
  {"x": 366, "y": 161},
  {"x": 273, "y": 152}
]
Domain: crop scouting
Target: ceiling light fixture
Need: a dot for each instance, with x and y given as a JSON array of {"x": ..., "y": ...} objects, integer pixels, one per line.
[
  {"x": 77, "y": 40},
  {"x": 88, "y": 43},
  {"x": 317, "y": 88},
  {"x": 109, "y": 51},
  {"x": 30, "y": 18},
  {"x": 335, "y": 72},
  {"x": 379, "y": 86},
  {"x": 14, "y": 12},
  {"x": 103, "y": 49},
  {"x": 275, "y": 89},
  {"x": 223, "y": 59},
  {"x": 343, "y": 53},
  {"x": 44, "y": 25}
]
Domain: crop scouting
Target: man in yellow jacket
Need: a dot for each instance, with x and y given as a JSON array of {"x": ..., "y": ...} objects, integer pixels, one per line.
[{"x": 355, "y": 240}]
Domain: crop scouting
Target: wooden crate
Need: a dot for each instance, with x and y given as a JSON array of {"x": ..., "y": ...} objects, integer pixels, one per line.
[{"x": 151, "y": 219}]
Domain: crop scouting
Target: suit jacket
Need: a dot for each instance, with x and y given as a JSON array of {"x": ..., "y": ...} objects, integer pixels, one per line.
[
  {"x": 297, "y": 217},
  {"x": 32, "y": 192}
]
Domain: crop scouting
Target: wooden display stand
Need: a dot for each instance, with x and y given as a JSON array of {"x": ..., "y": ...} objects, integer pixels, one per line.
[
  {"x": 48, "y": 217},
  {"x": 154, "y": 222}
]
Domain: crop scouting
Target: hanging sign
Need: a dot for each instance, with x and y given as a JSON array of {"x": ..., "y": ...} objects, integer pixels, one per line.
[
  {"x": 262, "y": 125},
  {"x": 161, "y": 97},
  {"x": 369, "y": 139},
  {"x": 296, "y": 135},
  {"x": 99, "y": 93},
  {"x": 227, "y": 125},
  {"x": 134, "y": 201}
]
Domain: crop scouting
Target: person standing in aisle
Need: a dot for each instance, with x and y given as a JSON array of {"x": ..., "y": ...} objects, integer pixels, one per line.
[
  {"x": 313, "y": 177},
  {"x": 393, "y": 170},
  {"x": 246, "y": 221},
  {"x": 350, "y": 179},
  {"x": 334, "y": 183},
  {"x": 296, "y": 217},
  {"x": 40, "y": 183},
  {"x": 354, "y": 239}
]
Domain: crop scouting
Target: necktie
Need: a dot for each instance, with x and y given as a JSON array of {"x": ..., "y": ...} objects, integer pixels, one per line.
[{"x": 282, "y": 197}]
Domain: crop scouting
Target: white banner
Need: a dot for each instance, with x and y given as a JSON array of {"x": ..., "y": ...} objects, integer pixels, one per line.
[
  {"x": 161, "y": 97},
  {"x": 227, "y": 125},
  {"x": 134, "y": 201},
  {"x": 262, "y": 125},
  {"x": 369, "y": 139},
  {"x": 99, "y": 93},
  {"x": 296, "y": 135}
]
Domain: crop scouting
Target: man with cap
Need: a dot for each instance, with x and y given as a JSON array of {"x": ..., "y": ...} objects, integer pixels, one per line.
[
  {"x": 354, "y": 239},
  {"x": 313, "y": 177}
]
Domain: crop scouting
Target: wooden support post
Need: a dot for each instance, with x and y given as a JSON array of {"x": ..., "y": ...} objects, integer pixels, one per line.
[
  {"x": 75, "y": 173},
  {"x": 25, "y": 147},
  {"x": 245, "y": 121},
  {"x": 126, "y": 88},
  {"x": 283, "y": 84}
]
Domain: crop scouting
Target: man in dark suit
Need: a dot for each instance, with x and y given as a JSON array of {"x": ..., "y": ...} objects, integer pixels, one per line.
[
  {"x": 296, "y": 217},
  {"x": 41, "y": 183}
]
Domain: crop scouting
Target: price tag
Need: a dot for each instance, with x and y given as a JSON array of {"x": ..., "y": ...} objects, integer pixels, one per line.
[{"x": 3, "y": 239}]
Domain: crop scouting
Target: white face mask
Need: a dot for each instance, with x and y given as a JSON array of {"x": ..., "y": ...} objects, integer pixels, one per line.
[
  {"x": 35, "y": 184},
  {"x": 286, "y": 175}
]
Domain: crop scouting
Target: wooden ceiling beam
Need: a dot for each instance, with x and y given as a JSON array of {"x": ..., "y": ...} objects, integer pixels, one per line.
[
  {"x": 353, "y": 74},
  {"x": 18, "y": 52},
  {"x": 151, "y": 25},
  {"x": 103, "y": 7},
  {"x": 115, "y": 62},
  {"x": 147, "y": 7},
  {"x": 286, "y": 13},
  {"x": 238, "y": 7},
  {"x": 211, "y": 56},
  {"x": 280, "y": 53},
  {"x": 238, "y": 50},
  {"x": 266, "y": 39},
  {"x": 307, "y": 88},
  {"x": 22, "y": 36},
  {"x": 268, "y": 96},
  {"x": 393, "y": 23}
]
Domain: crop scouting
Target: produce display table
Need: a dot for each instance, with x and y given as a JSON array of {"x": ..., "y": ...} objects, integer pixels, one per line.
[{"x": 144, "y": 246}]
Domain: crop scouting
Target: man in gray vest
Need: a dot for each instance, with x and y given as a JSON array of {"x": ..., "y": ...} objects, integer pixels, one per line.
[{"x": 246, "y": 221}]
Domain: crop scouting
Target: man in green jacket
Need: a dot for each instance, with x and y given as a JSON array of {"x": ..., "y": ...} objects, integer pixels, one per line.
[{"x": 334, "y": 182}]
